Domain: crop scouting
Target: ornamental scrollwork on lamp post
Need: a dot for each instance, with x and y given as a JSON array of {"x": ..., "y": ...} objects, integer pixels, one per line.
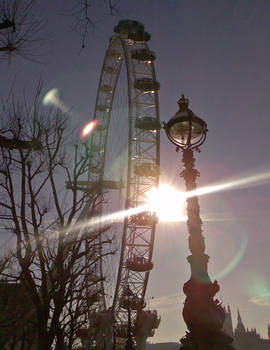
[{"x": 203, "y": 315}]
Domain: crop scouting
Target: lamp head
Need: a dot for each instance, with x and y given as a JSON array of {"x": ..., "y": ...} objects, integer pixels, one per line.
[{"x": 185, "y": 129}]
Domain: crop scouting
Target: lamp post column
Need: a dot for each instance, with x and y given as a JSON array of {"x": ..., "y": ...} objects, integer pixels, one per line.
[
  {"x": 203, "y": 315},
  {"x": 198, "y": 259}
]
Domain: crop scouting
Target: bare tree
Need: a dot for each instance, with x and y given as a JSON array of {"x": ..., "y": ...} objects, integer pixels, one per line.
[
  {"x": 80, "y": 295},
  {"x": 51, "y": 262},
  {"x": 84, "y": 14},
  {"x": 20, "y": 28},
  {"x": 6, "y": 261}
]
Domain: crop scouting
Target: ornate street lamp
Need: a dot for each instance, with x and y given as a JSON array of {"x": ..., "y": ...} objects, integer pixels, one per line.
[{"x": 203, "y": 315}]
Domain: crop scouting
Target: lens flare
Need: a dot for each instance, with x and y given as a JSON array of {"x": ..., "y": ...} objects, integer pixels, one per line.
[
  {"x": 52, "y": 99},
  {"x": 261, "y": 299},
  {"x": 258, "y": 290},
  {"x": 89, "y": 128},
  {"x": 242, "y": 245}
]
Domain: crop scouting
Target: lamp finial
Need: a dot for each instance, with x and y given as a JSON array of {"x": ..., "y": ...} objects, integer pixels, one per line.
[{"x": 183, "y": 103}]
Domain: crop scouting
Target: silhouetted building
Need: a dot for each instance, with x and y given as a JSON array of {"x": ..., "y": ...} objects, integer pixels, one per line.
[{"x": 245, "y": 339}]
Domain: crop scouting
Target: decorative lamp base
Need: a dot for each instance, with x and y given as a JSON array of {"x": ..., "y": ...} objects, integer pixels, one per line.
[{"x": 204, "y": 317}]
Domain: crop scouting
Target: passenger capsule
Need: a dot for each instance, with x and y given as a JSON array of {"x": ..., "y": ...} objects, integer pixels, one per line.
[
  {"x": 147, "y": 170},
  {"x": 146, "y": 85},
  {"x": 147, "y": 123},
  {"x": 139, "y": 264},
  {"x": 143, "y": 55}
]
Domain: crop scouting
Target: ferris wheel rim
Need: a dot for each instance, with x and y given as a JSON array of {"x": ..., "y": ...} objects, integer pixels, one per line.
[
  {"x": 123, "y": 44},
  {"x": 131, "y": 88}
]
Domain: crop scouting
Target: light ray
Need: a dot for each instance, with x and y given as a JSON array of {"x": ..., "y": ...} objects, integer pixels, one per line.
[
  {"x": 248, "y": 181},
  {"x": 95, "y": 222},
  {"x": 178, "y": 199}
]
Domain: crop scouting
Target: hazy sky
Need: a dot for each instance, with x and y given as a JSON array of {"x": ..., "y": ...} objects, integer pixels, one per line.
[{"x": 218, "y": 54}]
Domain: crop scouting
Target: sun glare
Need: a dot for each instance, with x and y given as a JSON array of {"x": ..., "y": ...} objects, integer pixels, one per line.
[{"x": 167, "y": 202}]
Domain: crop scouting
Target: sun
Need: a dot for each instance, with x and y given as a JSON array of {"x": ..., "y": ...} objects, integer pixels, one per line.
[{"x": 167, "y": 202}]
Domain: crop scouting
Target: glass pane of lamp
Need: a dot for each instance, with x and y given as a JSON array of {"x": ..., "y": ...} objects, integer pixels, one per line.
[
  {"x": 196, "y": 132},
  {"x": 179, "y": 132}
]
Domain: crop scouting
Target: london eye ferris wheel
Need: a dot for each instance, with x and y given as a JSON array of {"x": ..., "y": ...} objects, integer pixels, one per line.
[{"x": 124, "y": 164}]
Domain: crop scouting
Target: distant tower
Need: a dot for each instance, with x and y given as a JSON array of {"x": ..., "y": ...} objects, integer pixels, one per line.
[
  {"x": 240, "y": 326},
  {"x": 228, "y": 326}
]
